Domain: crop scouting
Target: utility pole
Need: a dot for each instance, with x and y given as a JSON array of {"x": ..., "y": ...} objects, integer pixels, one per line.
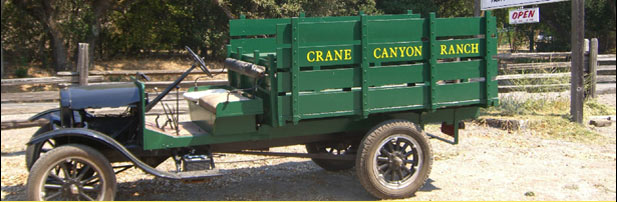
[
  {"x": 477, "y": 10},
  {"x": 578, "y": 57}
]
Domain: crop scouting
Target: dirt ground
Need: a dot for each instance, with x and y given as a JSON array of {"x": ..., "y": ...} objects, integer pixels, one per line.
[{"x": 488, "y": 164}]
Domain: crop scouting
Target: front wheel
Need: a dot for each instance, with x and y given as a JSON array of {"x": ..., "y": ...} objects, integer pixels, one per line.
[
  {"x": 64, "y": 174},
  {"x": 394, "y": 160}
]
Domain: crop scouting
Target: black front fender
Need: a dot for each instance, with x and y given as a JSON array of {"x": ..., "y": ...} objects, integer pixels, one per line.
[
  {"x": 50, "y": 114},
  {"x": 105, "y": 140}
]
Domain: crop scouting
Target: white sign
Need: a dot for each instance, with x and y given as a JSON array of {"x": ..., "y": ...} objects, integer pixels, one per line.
[
  {"x": 525, "y": 15},
  {"x": 494, "y": 4}
]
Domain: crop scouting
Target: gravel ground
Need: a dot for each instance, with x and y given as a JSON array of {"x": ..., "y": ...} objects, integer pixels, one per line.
[{"x": 488, "y": 164}]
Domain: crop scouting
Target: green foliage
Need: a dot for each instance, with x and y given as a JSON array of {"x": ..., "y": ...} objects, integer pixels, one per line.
[
  {"x": 168, "y": 26},
  {"x": 22, "y": 36},
  {"x": 140, "y": 27},
  {"x": 21, "y": 72},
  {"x": 443, "y": 8}
]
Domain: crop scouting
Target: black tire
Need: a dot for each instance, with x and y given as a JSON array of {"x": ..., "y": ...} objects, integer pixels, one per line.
[
  {"x": 335, "y": 149},
  {"x": 64, "y": 169},
  {"x": 34, "y": 151},
  {"x": 389, "y": 170}
]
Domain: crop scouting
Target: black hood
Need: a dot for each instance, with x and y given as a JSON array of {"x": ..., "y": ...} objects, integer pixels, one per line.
[{"x": 102, "y": 95}]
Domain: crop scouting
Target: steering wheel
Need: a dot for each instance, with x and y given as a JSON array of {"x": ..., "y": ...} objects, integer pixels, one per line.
[{"x": 202, "y": 64}]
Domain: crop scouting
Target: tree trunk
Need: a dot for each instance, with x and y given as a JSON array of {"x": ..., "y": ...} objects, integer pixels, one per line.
[
  {"x": 60, "y": 54},
  {"x": 99, "y": 9},
  {"x": 2, "y": 49},
  {"x": 612, "y": 4},
  {"x": 531, "y": 37}
]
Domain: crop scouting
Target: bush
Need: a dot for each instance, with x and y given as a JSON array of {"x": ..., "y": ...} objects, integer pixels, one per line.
[{"x": 21, "y": 72}]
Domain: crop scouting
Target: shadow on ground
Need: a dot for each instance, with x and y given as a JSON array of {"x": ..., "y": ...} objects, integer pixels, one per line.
[{"x": 285, "y": 181}]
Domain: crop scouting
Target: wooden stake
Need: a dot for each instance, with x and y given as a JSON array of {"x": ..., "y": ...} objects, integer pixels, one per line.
[
  {"x": 83, "y": 62},
  {"x": 576, "y": 80},
  {"x": 593, "y": 66}
]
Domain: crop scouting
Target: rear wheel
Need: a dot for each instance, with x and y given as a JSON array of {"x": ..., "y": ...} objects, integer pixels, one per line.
[
  {"x": 62, "y": 174},
  {"x": 334, "y": 149},
  {"x": 394, "y": 160}
]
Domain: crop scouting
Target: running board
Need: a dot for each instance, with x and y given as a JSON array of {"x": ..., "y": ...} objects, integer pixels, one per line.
[
  {"x": 186, "y": 175},
  {"x": 197, "y": 175},
  {"x": 298, "y": 155}
]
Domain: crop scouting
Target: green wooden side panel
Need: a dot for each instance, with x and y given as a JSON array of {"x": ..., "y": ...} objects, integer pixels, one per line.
[
  {"x": 249, "y": 45},
  {"x": 400, "y": 74},
  {"x": 322, "y": 79},
  {"x": 397, "y": 99},
  {"x": 321, "y": 105},
  {"x": 396, "y": 30},
  {"x": 327, "y": 33},
  {"x": 360, "y": 65},
  {"x": 459, "y": 70},
  {"x": 459, "y": 26},
  {"x": 317, "y": 80},
  {"x": 244, "y": 27},
  {"x": 459, "y": 92}
]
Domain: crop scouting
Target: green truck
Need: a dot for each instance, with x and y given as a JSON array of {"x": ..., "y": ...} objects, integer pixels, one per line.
[{"x": 356, "y": 90}]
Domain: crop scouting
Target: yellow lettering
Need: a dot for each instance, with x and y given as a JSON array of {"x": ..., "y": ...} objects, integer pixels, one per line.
[
  {"x": 418, "y": 50},
  {"x": 451, "y": 50},
  {"x": 375, "y": 53},
  {"x": 474, "y": 48},
  {"x": 338, "y": 55},
  {"x": 402, "y": 50},
  {"x": 459, "y": 48},
  {"x": 467, "y": 51},
  {"x": 384, "y": 54},
  {"x": 443, "y": 50},
  {"x": 319, "y": 54},
  {"x": 308, "y": 56},
  {"x": 393, "y": 52},
  {"x": 347, "y": 54},
  {"x": 409, "y": 51},
  {"x": 329, "y": 56}
]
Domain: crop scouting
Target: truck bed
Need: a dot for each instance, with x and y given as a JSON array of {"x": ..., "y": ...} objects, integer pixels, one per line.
[{"x": 362, "y": 65}]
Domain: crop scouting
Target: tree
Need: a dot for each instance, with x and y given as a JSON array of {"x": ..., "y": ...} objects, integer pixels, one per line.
[
  {"x": 2, "y": 49},
  {"x": 46, "y": 12},
  {"x": 99, "y": 10}
]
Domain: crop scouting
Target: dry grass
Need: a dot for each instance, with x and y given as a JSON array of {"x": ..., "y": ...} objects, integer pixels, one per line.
[{"x": 549, "y": 115}]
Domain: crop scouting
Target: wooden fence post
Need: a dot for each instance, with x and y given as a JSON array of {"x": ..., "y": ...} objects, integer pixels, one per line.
[
  {"x": 593, "y": 66},
  {"x": 578, "y": 57},
  {"x": 83, "y": 63}
]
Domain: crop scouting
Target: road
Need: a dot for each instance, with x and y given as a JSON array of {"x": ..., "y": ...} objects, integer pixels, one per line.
[{"x": 488, "y": 164}]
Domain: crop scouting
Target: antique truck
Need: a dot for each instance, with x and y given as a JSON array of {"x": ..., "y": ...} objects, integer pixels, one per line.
[{"x": 356, "y": 90}]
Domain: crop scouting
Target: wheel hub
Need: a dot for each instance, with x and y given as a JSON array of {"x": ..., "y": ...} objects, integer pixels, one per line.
[
  {"x": 396, "y": 161},
  {"x": 74, "y": 189}
]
